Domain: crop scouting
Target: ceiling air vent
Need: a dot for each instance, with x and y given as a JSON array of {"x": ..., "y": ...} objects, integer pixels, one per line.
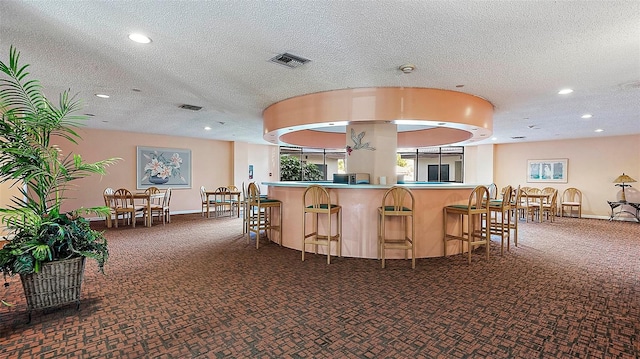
[
  {"x": 191, "y": 107},
  {"x": 288, "y": 60},
  {"x": 518, "y": 137}
]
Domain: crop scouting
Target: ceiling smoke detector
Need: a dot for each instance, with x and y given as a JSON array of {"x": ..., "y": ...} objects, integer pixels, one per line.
[{"x": 407, "y": 69}]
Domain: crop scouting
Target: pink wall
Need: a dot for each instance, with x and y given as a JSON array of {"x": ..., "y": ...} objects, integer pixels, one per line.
[
  {"x": 593, "y": 164},
  {"x": 211, "y": 163}
]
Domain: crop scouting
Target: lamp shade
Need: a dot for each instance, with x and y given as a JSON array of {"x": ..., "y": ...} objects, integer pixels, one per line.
[{"x": 623, "y": 178}]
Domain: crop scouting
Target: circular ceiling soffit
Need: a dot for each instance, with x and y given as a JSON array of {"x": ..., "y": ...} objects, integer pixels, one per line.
[{"x": 425, "y": 117}]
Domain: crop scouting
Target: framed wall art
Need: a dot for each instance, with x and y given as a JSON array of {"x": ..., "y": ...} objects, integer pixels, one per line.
[
  {"x": 163, "y": 167},
  {"x": 553, "y": 170}
]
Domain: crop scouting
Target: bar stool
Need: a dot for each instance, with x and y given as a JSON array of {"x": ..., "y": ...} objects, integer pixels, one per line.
[
  {"x": 397, "y": 202},
  {"x": 260, "y": 216},
  {"x": 516, "y": 200},
  {"x": 317, "y": 202},
  {"x": 500, "y": 218},
  {"x": 477, "y": 214}
]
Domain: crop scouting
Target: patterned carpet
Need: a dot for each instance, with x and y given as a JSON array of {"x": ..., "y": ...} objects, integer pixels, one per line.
[{"x": 196, "y": 289}]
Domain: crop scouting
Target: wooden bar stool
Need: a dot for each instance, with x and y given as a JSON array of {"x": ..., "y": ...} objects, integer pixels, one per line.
[
  {"x": 500, "y": 218},
  {"x": 260, "y": 215},
  {"x": 317, "y": 202},
  {"x": 476, "y": 212},
  {"x": 397, "y": 202}
]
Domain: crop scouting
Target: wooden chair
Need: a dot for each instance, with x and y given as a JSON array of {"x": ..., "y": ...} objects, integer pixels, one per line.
[
  {"x": 533, "y": 204},
  {"x": 260, "y": 214},
  {"x": 529, "y": 206},
  {"x": 549, "y": 192},
  {"x": 207, "y": 204},
  {"x": 550, "y": 208},
  {"x": 493, "y": 191},
  {"x": 235, "y": 202},
  {"x": 222, "y": 202},
  {"x": 317, "y": 203},
  {"x": 161, "y": 209},
  {"x": 124, "y": 206},
  {"x": 108, "y": 202},
  {"x": 571, "y": 198},
  {"x": 165, "y": 206},
  {"x": 476, "y": 212},
  {"x": 500, "y": 218},
  {"x": 398, "y": 202}
]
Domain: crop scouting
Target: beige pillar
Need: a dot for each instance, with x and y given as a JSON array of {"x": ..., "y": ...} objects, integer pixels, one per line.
[{"x": 373, "y": 151}]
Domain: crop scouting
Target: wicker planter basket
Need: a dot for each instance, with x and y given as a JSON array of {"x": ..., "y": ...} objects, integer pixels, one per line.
[{"x": 58, "y": 283}]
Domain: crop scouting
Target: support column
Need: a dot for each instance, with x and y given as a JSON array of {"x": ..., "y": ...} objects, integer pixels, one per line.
[{"x": 372, "y": 149}]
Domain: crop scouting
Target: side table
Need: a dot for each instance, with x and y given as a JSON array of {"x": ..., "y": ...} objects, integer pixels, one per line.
[{"x": 621, "y": 204}]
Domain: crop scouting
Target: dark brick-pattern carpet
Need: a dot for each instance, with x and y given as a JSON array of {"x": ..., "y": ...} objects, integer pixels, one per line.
[{"x": 196, "y": 289}]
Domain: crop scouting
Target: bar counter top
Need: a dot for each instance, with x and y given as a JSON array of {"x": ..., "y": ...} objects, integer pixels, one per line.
[{"x": 411, "y": 185}]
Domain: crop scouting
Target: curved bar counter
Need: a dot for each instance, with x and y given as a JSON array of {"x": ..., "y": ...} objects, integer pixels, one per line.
[{"x": 360, "y": 216}]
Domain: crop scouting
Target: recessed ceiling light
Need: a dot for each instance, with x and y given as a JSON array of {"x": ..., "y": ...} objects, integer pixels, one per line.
[
  {"x": 494, "y": 138},
  {"x": 599, "y": 130},
  {"x": 458, "y": 86},
  {"x": 102, "y": 95},
  {"x": 136, "y": 90},
  {"x": 565, "y": 91},
  {"x": 587, "y": 115},
  {"x": 207, "y": 128},
  {"x": 407, "y": 68},
  {"x": 139, "y": 38}
]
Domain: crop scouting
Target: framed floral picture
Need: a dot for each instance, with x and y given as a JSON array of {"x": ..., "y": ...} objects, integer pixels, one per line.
[
  {"x": 554, "y": 170},
  {"x": 163, "y": 167}
]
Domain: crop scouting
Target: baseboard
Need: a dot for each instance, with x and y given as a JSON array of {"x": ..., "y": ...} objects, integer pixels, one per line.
[{"x": 92, "y": 219}]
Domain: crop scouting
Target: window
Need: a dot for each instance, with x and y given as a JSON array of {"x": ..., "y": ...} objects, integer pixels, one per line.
[{"x": 432, "y": 164}]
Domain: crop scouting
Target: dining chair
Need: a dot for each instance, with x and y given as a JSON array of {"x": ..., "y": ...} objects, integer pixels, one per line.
[
  {"x": 398, "y": 204},
  {"x": 549, "y": 192},
  {"x": 530, "y": 206},
  {"x": 166, "y": 205},
  {"x": 236, "y": 201},
  {"x": 108, "y": 202},
  {"x": 476, "y": 213},
  {"x": 316, "y": 202},
  {"x": 206, "y": 202},
  {"x": 222, "y": 201},
  {"x": 124, "y": 206},
  {"x": 550, "y": 208},
  {"x": 571, "y": 198},
  {"x": 493, "y": 191},
  {"x": 154, "y": 190},
  {"x": 157, "y": 207}
]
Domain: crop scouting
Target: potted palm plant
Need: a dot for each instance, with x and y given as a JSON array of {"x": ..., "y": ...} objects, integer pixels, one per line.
[{"x": 45, "y": 246}]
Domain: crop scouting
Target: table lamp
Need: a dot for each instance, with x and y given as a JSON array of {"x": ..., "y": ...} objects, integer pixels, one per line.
[{"x": 621, "y": 182}]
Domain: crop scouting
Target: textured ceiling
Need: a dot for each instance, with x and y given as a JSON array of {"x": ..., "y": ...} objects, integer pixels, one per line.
[{"x": 215, "y": 54}]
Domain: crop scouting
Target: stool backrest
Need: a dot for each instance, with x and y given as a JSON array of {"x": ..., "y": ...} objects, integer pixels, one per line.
[{"x": 398, "y": 198}]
